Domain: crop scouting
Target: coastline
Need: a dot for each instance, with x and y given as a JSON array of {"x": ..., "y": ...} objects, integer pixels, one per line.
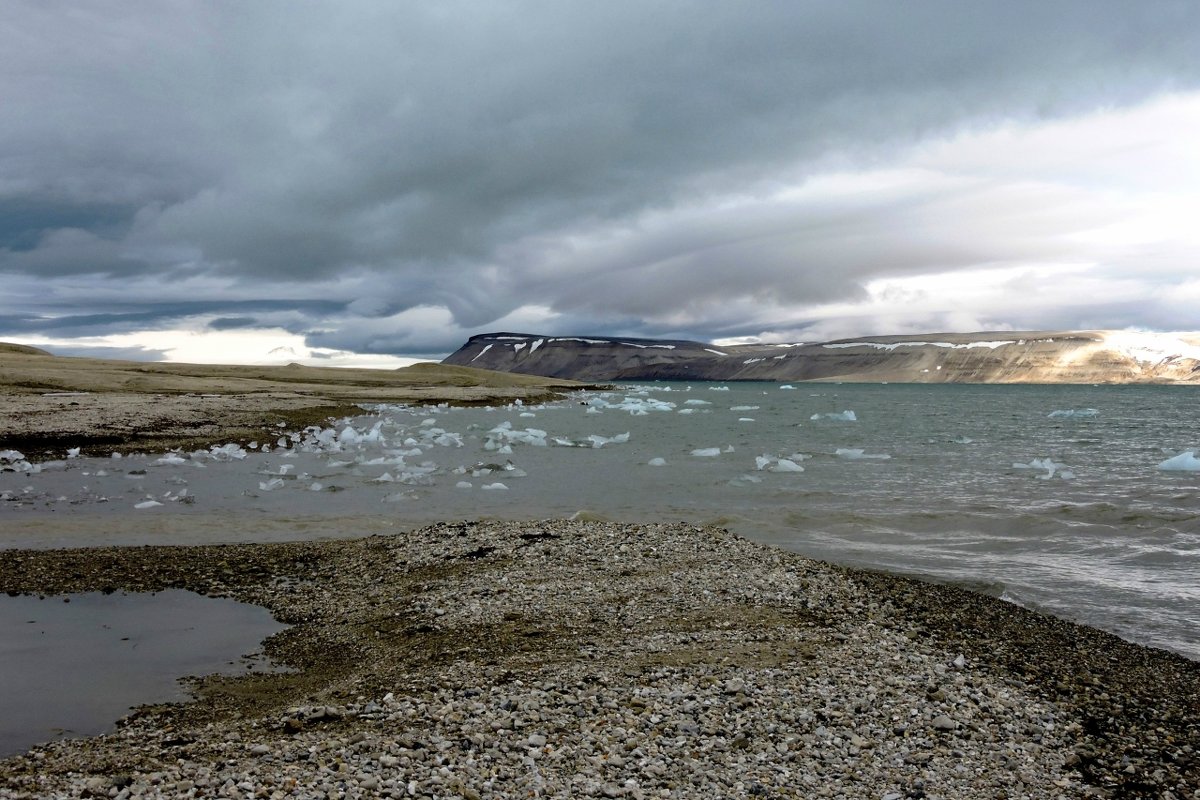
[
  {"x": 51, "y": 403},
  {"x": 580, "y": 658}
]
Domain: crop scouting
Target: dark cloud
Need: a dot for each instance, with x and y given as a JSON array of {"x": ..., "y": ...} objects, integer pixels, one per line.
[{"x": 369, "y": 160}]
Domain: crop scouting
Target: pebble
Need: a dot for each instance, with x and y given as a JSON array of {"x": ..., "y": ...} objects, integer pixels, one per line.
[{"x": 507, "y": 659}]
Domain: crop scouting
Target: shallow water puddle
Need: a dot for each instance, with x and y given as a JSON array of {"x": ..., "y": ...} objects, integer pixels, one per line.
[{"x": 73, "y": 668}]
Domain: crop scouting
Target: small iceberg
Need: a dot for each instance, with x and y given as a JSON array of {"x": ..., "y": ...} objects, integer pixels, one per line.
[{"x": 1184, "y": 462}]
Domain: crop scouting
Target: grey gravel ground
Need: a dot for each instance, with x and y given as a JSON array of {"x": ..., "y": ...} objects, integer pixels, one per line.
[{"x": 578, "y": 659}]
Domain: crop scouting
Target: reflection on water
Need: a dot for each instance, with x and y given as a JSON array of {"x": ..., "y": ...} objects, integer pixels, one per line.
[{"x": 73, "y": 666}]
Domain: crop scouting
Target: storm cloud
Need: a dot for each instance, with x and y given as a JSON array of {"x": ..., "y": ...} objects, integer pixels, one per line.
[{"x": 389, "y": 178}]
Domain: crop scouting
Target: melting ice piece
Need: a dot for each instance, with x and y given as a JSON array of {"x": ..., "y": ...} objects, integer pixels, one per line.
[
  {"x": 494, "y": 487},
  {"x": 718, "y": 388},
  {"x": 743, "y": 408},
  {"x": 226, "y": 452},
  {"x": 1184, "y": 462},
  {"x": 707, "y": 452},
  {"x": 271, "y": 485},
  {"x": 316, "y": 487},
  {"x": 147, "y": 504},
  {"x": 856, "y": 453},
  {"x": 73, "y": 452},
  {"x": 694, "y": 402},
  {"x": 787, "y": 386},
  {"x": 599, "y": 441},
  {"x": 463, "y": 485},
  {"x": 786, "y": 465},
  {"x": 842, "y": 416},
  {"x": 1046, "y": 464},
  {"x": 657, "y": 462},
  {"x": 1068, "y": 413}
]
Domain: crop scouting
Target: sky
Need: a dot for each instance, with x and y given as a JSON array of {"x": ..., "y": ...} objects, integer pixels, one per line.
[{"x": 362, "y": 183}]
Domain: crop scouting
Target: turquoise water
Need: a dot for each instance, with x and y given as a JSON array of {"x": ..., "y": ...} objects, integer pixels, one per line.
[{"x": 1106, "y": 537}]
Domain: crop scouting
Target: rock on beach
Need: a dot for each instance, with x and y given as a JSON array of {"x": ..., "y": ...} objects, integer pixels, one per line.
[{"x": 591, "y": 659}]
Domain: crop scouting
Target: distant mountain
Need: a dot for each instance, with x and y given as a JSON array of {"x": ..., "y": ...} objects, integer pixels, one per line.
[{"x": 996, "y": 357}]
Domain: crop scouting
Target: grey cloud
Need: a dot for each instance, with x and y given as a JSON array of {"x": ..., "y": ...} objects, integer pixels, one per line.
[{"x": 422, "y": 148}]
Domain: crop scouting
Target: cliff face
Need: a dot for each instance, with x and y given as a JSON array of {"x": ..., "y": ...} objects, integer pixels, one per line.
[{"x": 1003, "y": 357}]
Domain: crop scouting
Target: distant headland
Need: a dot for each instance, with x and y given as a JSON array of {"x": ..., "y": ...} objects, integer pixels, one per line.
[{"x": 989, "y": 357}]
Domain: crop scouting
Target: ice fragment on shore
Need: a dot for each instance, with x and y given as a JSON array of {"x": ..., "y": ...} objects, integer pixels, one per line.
[
  {"x": 1184, "y": 462},
  {"x": 839, "y": 416},
  {"x": 72, "y": 452},
  {"x": 227, "y": 452}
]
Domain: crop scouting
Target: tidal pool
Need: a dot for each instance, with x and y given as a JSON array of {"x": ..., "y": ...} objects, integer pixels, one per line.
[{"x": 72, "y": 666}]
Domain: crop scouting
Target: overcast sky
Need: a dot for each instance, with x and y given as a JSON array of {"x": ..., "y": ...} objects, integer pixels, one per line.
[{"x": 215, "y": 180}]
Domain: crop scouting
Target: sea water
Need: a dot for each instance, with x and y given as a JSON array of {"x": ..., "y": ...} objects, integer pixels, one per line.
[{"x": 1060, "y": 498}]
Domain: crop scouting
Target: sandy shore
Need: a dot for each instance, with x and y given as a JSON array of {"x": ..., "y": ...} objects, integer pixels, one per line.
[{"x": 569, "y": 659}]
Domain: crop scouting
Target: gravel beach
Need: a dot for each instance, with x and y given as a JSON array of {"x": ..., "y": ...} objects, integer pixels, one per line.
[{"x": 576, "y": 659}]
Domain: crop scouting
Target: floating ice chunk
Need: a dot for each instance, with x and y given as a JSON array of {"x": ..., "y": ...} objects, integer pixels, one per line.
[
  {"x": 147, "y": 504},
  {"x": 594, "y": 410},
  {"x": 963, "y": 440},
  {"x": 1043, "y": 463},
  {"x": 494, "y": 487},
  {"x": 284, "y": 469},
  {"x": 73, "y": 452},
  {"x": 464, "y": 485},
  {"x": 599, "y": 441},
  {"x": 385, "y": 478},
  {"x": 253, "y": 445},
  {"x": 528, "y": 414},
  {"x": 1184, "y": 462},
  {"x": 271, "y": 485},
  {"x": 745, "y": 419},
  {"x": 687, "y": 411},
  {"x": 728, "y": 449},
  {"x": 695, "y": 402},
  {"x": 399, "y": 497},
  {"x": 1069, "y": 413},
  {"x": 787, "y": 386},
  {"x": 840, "y": 416},
  {"x": 744, "y": 408},
  {"x": 657, "y": 462},
  {"x": 858, "y": 454},
  {"x": 718, "y": 388},
  {"x": 170, "y": 460},
  {"x": 116, "y": 455},
  {"x": 707, "y": 452},
  {"x": 785, "y": 465},
  {"x": 315, "y": 486}
]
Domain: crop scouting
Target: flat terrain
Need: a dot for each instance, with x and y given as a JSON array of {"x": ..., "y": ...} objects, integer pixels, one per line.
[{"x": 52, "y": 402}]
